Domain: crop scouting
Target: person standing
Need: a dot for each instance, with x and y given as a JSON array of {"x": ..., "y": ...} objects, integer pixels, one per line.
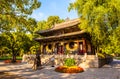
[{"x": 52, "y": 61}]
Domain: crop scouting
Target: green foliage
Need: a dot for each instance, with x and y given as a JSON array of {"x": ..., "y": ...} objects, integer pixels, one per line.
[
  {"x": 101, "y": 55},
  {"x": 15, "y": 26},
  {"x": 17, "y": 30},
  {"x": 69, "y": 62},
  {"x": 9, "y": 57},
  {"x": 114, "y": 44},
  {"x": 51, "y": 21},
  {"x": 14, "y": 13},
  {"x": 42, "y": 25},
  {"x": 5, "y": 58},
  {"x": 118, "y": 58},
  {"x": 101, "y": 19}
]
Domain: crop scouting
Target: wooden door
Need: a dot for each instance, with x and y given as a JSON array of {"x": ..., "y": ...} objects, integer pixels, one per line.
[
  {"x": 60, "y": 49},
  {"x": 81, "y": 52}
]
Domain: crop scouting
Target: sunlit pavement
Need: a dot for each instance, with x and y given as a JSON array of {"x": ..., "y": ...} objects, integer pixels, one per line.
[{"x": 25, "y": 70}]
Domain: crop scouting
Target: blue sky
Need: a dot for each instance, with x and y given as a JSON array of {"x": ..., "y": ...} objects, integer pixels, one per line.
[{"x": 52, "y": 8}]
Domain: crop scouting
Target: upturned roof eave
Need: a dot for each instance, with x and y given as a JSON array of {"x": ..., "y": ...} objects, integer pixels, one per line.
[
  {"x": 44, "y": 31},
  {"x": 60, "y": 26},
  {"x": 60, "y": 36}
]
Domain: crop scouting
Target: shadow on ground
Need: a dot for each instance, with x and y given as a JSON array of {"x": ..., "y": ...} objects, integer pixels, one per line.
[
  {"x": 22, "y": 71},
  {"x": 7, "y": 75}
]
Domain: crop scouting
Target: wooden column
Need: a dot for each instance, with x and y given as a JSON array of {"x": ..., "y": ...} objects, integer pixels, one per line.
[
  {"x": 78, "y": 47},
  {"x": 44, "y": 49},
  {"x": 62, "y": 48},
  {"x": 41, "y": 48},
  {"x": 84, "y": 46}
]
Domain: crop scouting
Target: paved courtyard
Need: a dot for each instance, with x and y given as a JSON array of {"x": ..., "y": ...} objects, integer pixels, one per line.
[{"x": 107, "y": 72}]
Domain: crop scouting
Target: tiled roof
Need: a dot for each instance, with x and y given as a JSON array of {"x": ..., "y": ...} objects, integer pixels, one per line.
[
  {"x": 63, "y": 35},
  {"x": 63, "y": 25},
  {"x": 66, "y": 24}
]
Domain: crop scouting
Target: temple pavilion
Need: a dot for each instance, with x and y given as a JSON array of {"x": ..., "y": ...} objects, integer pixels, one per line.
[{"x": 65, "y": 40}]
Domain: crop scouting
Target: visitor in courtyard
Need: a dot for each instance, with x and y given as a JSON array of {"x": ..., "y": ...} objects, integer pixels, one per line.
[{"x": 52, "y": 61}]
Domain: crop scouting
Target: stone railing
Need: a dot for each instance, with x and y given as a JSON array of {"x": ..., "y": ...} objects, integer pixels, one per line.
[
  {"x": 59, "y": 59},
  {"x": 81, "y": 60},
  {"x": 28, "y": 59}
]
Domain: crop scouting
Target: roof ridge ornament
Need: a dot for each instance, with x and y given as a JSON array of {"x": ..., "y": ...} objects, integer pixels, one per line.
[{"x": 67, "y": 19}]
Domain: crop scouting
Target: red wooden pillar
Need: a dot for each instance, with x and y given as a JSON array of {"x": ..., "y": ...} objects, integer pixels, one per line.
[
  {"x": 78, "y": 48},
  {"x": 84, "y": 46},
  {"x": 62, "y": 49}
]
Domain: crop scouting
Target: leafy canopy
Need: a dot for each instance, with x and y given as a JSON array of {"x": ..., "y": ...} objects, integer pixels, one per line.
[
  {"x": 51, "y": 21},
  {"x": 101, "y": 18},
  {"x": 14, "y": 25},
  {"x": 15, "y": 12}
]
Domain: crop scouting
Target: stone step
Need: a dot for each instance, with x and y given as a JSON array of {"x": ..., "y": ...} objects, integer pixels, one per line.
[{"x": 107, "y": 66}]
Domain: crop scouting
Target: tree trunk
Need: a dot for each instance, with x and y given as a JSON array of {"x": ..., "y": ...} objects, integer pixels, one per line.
[
  {"x": 38, "y": 58},
  {"x": 13, "y": 56}
]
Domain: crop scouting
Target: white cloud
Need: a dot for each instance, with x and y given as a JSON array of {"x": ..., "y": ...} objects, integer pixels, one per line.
[{"x": 71, "y": 1}]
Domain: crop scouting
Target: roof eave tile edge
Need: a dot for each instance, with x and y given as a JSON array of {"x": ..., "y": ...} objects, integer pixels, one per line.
[{"x": 51, "y": 29}]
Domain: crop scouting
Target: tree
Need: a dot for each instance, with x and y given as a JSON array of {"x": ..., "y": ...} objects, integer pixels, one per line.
[
  {"x": 114, "y": 45},
  {"x": 42, "y": 25},
  {"x": 14, "y": 16},
  {"x": 100, "y": 18},
  {"x": 51, "y": 21},
  {"x": 12, "y": 11}
]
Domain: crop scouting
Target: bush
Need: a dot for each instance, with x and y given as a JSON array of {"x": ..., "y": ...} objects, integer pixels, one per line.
[
  {"x": 72, "y": 69},
  {"x": 69, "y": 62},
  {"x": 8, "y": 58},
  {"x": 10, "y": 61}
]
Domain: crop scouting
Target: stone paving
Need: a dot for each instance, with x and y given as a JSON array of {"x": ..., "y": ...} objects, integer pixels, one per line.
[{"x": 111, "y": 71}]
